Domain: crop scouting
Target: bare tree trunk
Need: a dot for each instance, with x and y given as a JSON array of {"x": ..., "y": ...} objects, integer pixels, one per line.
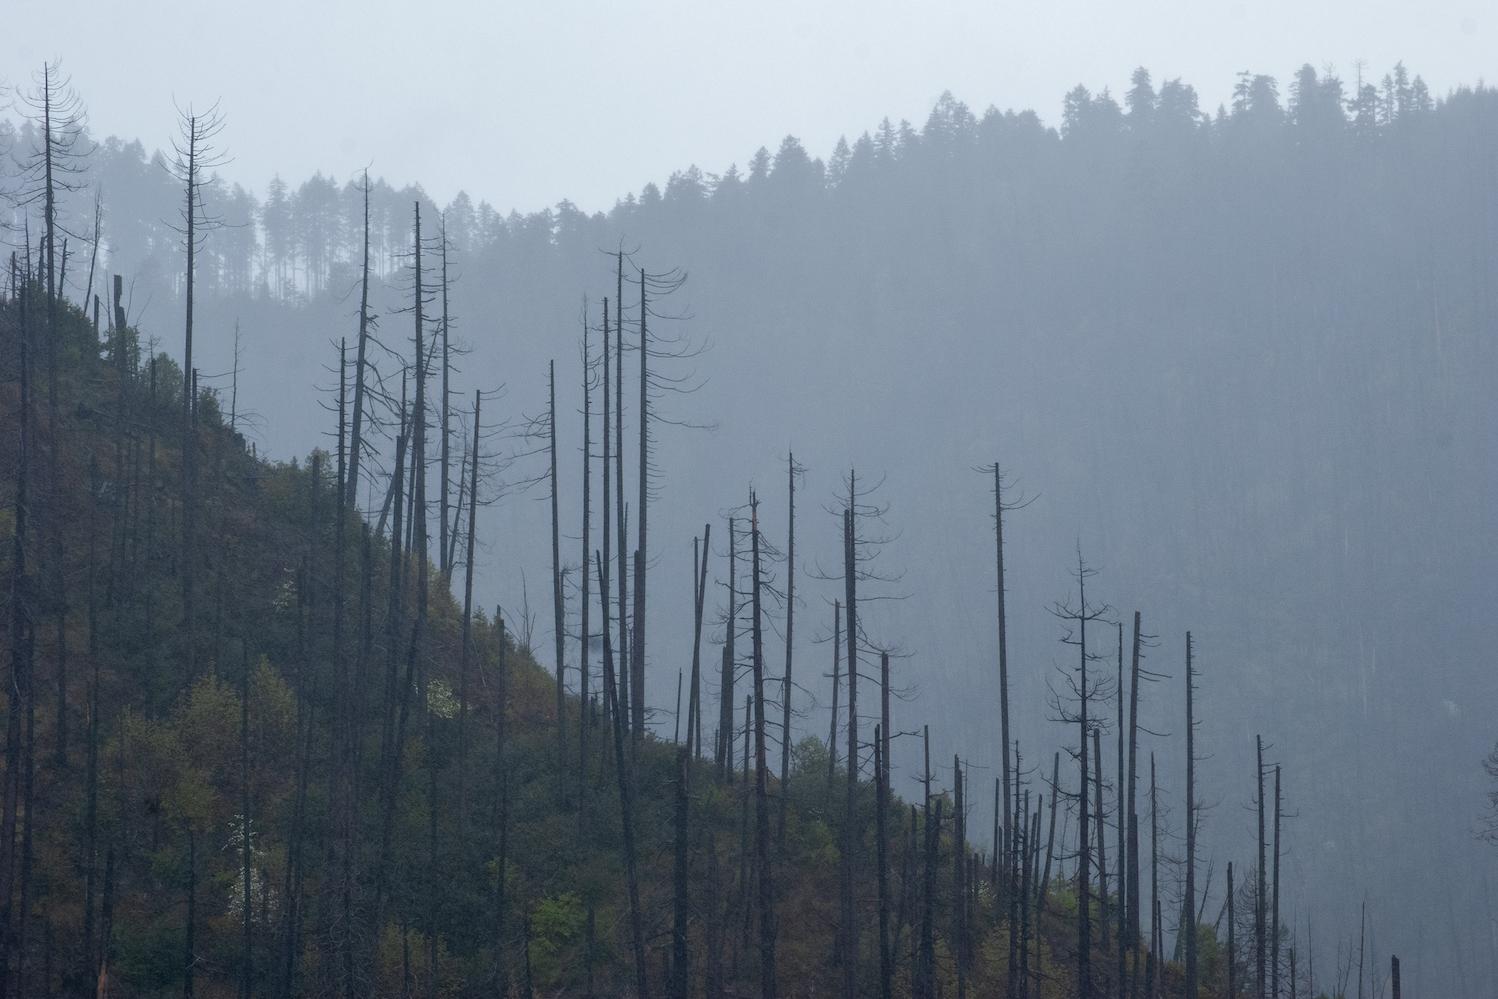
[
  {"x": 1190, "y": 927},
  {"x": 465, "y": 655},
  {"x": 790, "y": 623},
  {"x": 1260, "y": 876},
  {"x": 850, "y": 814},
  {"x": 558, "y": 607},
  {"x": 1132, "y": 930},
  {"x": 680, "y": 955},
  {"x": 725, "y": 684},
  {"x": 356, "y": 435},
  {"x": 444, "y": 564},
  {"x": 837, "y": 646},
  {"x": 626, "y": 809},
  {"x": 959, "y": 880},
  {"x": 765, "y": 879},
  {"x": 1102, "y": 839},
  {"x": 1274, "y": 926},
  {"x": 998, "y": 524},
  {"x": 584, "y": 608},
  {"x": 881, "y": 833},
  {"x": 1050, "y": 837},
  {"x": 699, "y": 583},
  {"x": 642, "y": 553}
]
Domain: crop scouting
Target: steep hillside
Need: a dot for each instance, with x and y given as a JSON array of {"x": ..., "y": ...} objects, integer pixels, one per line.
[{"x": 405, "y": 834}]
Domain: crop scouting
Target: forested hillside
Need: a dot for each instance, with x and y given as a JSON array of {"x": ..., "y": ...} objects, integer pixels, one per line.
[{"x": 1242, "y": 358}]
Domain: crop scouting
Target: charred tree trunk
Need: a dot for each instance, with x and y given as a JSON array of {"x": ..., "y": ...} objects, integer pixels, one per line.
[
  {"x": 837, "y": 646},
  {"x": 558, "y": 607},
  {"x": 959, "y": 880},
  {"x": 465, "y": 655},
  {"x": 765, "y": 876},
  {"x": 785, "y": 686},
  {"x": 850, "y": 813},
  {"x": 1232, "y": 905},
  {"x": 1260, "y": 876},
  {"x": 1274, "y": 901},
  {"x": 725, "y": 683},
  {"x": 356, "y": 432},
  {"x": 699, "y": 583},
  {"x": 881, "y": 832},
  {"x": 998, "y": 524},
  {"x": 1190, "y": 927},
  {"x": 584, "y": 608},
  {"x": 1102, "y": 839},
  {"x": 626, "y": 811},
  {"x": 642, "y": 552},
  {"x": 680, "y": 955}
]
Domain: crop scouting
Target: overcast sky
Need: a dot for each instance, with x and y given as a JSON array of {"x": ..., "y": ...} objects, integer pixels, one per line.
[{"x": 524, "y": 104}]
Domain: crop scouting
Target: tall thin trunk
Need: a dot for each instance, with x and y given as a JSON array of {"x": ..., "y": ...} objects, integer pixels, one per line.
[
  {"x": 626, "y": 667},
  {"x": 626, "y": 810},
  {"x": 1150, "y": 969},
  {"x": 1190, "y": 927},
  {"x": 1120, "y": 818},
  {"x": 583, "y": 694},
  {"x": 1102, "y": 838},
  {"x": 837, "y": 647},
  {"x": 608, "y": 417},
  {"x": 998, "y": 523},
  {"x": 356, "y": 434},
  {"x": 765, "y": 879},
  {"x": 790, "y": 624},
  {"x": 681, "y": 902},
  {"x": 881, "y": 834},
  {"x": 1084, "y": 827},
  {"x": 1132, "y": 928},
  {"x": 1050, "y": 836},
  {"x": 699, "y": 582},
  {"x": 189, "y": 404},
  {"x": 850, "y": 813},
  {"x": 466, "y": 653},
  {"x": 1274, "y": 925},
  {"x": 725, "y": 685},
  {"x": 444, "y": 564},
  {"x": 558, "y": 608},
  {"x": 642, "y": 552},
  {"x": 1260, "y": 876},
  {"x": 959, "y": 883}
]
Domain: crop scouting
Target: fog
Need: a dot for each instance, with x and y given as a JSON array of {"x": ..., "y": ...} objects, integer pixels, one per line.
[{"x": 1242, "y": 362}]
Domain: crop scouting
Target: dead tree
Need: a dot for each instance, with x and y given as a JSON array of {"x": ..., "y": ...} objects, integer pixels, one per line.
[
  {"x": 959, "y": 881},
  {"x": 1274, "y": 925},
  {"x": 680, "y": 954},
  {"x": 724, "y": 754},
  {"x": 465, "y": 655},
  {"x": 558, "y": 608},
  {"x": 1260, "y": 930},
  {"x": 699, "y": 584},
  {"x": 1000, "y": 506},
  {"x": 765, "y": 878},
  {"x": 881, "y": 833},
  {"x": 1077, "y": 617},
  {"x": 1190, "y": 928},
  {"x": 194, "y": 155},
  {"x": 584, "y": 606},
  {"x": 837, "y": 646},
  {"x": 849, "y": 925},
  {"x": 626, "y": 808},
  {"x": 361, "y": 362},
  {"x": 790, "y": 622},
  {"x": 1102, "y": 838}
]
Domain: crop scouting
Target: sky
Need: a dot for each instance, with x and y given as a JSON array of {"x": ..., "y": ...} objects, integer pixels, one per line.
[{"x": 524, "y": 104}]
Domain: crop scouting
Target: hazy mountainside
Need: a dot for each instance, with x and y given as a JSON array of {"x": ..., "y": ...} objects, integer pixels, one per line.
[
  {"x": 1246, "y": 361},
  {"x": 257, "y": 784}
]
